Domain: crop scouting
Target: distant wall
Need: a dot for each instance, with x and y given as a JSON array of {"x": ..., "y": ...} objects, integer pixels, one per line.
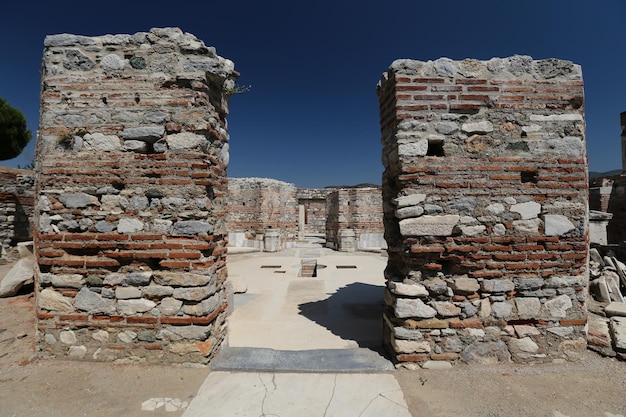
[
  {"x": 131, "y": 236},
  {"x": 259, "y": 204},
  {"x": 314, "y": 202},
  {"x": 17, "y": 192},
  {"x": 485, "y": 196},
  {"x": 609, "y": 195},
  {"x": 358, "y": 209}
]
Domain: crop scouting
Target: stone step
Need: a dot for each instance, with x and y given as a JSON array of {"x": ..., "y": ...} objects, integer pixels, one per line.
[{"x": 244, "y": 359}]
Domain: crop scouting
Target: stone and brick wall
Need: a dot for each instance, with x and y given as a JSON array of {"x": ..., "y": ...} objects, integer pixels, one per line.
[
  {"x": 259, "y": 204},
  {"x": 485, "y": 210},
  {"x": 314, "y": 202},
  {"x": 16, "y": 205},
  {"x": 608, "y": 195},
  {"x": 358, "y": 209},
  {"x": 131, "y": 198}
]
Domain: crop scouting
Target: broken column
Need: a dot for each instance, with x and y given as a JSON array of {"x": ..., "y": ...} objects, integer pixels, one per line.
[
  {"x": 485, "y": 210},
  {"x": 131, "y": 198}
]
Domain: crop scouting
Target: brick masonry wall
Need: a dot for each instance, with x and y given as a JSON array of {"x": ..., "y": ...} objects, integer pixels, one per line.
[
  {"x": 359, "y": 209},
  {"x": 131, "y": 198},
  {"x": 314, "y": 202},
  {"x": 485, "y": 196},
  {"x": 258, "y": 204},
  {"x": 16, "y": 205}
]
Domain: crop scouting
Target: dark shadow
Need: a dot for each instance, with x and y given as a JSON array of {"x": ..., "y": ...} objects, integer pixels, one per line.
[
  {"x": 354, "y": 312},
  {"x": 22, "y": 227}
]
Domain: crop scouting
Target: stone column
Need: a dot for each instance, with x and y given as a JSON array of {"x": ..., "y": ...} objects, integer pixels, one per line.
[
  {"x": 301, "y": 222},
  {"x": 598, "y": 221},
  {"x": 271, "y": 240},
  {"x": 346, "y": 240},
  {"x": 485, "y": 209},
  {"x": 130, "y": 243}
]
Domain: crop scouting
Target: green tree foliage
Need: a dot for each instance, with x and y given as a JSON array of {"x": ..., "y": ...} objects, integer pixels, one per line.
[{"x": 13, "y": 133}]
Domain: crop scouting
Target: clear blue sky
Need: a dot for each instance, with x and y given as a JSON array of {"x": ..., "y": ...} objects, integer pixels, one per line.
[{"x": 311, "y": 117}]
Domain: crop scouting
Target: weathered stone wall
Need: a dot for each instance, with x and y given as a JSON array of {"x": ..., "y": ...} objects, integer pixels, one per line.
[
  {"x": 258, "y": 204},
  {"x": 131, "y": 198},
  {"x": 16, "y": 205},
  {"x": 314, "y": 202},
  {"x": 485, "y": 208},
  {"x": 359, "y": 209},
  {"x": 608, "y": 195}
]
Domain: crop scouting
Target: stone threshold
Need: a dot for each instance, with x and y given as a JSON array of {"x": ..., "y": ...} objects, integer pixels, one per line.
[{"x": 247, "y": 359}]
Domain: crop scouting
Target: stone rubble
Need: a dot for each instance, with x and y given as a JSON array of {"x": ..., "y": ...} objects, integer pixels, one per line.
[{"x": 607, "y": 312}]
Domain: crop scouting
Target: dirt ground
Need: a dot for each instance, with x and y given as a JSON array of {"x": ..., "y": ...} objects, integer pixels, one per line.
[
  {"x": 594, "y": 386},
  {"x": 30, "y": 387}
]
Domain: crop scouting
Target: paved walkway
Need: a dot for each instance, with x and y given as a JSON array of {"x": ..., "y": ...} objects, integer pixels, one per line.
[
  {"x": 227, "y": 394},
  {"x": 304, "y": 346}
]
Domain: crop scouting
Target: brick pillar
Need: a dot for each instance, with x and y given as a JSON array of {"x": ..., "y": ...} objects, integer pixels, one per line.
[
  {"x": 358, "y": 209},
  {"x": 131, "y": 185},
  {"x": 259, "y": 204},
  {"x": 485, "y": 209}
]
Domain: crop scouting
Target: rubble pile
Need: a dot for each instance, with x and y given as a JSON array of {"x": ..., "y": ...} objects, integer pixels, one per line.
[{"x": 607, "y": 310}]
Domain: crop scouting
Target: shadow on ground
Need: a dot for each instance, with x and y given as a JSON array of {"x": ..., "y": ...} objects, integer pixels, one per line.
[{"x": 353, "y": 312}]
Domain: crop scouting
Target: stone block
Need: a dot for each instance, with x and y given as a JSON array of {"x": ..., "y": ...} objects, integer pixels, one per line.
[
  {"x": 429, "y": 225},
  {"x": 411, "y": 289},
  {"x": 617, "y": 326},
  {"x": 557, "y": 225},
  {"x": 21, "y": 273},
  {"x": 409, "y": 307},
  {"x": 615, "y": 309}
]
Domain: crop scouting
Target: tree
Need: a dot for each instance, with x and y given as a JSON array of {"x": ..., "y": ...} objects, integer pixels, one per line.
[{"x": 13, "y": 133}]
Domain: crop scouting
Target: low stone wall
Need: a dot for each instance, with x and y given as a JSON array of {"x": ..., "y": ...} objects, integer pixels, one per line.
[
  {"x": 357, "y": 209},
  {"x": 17, "y": 190},
  {"x": 131, "y": 198},
  {"x": 485, "y": 210},
  {"x": 256, "y": 205}
]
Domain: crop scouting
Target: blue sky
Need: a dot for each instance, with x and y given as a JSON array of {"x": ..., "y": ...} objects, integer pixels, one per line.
[{"x": 311, "y": 116}]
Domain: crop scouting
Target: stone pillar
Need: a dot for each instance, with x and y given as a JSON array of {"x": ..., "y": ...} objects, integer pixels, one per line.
[
  {"x": 271, "y": 240},
  {"x": 130, "y": 238},
  {"x": 16, "y": 206},
  {"x": 301, "y": 222},
  {"x": 257, "y": 204},
  {"x": 598, "y": 221},
  {"x": 346, "y": 240},
  {"x": 358, "y": 209},
  {"x": 485, "y": 209}
]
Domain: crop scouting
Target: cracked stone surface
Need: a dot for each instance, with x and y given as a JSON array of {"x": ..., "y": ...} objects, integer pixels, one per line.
[{"x": 287, "y": 394}]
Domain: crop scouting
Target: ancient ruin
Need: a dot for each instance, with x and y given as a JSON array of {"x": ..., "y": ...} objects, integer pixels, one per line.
[
  {"x": 608, "y": 195},
  {"x": 270, "y": 215},
  {"x": 131, "y": 197},
  {"x": 485, "y": 201},
  {"x": 354, "y": 219},
  {"x": 17, "y": 193},
  {"x": 262, "y": 213},
  {"x": 313, "y": 202},
  {"x": 484, "y": 208}
]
